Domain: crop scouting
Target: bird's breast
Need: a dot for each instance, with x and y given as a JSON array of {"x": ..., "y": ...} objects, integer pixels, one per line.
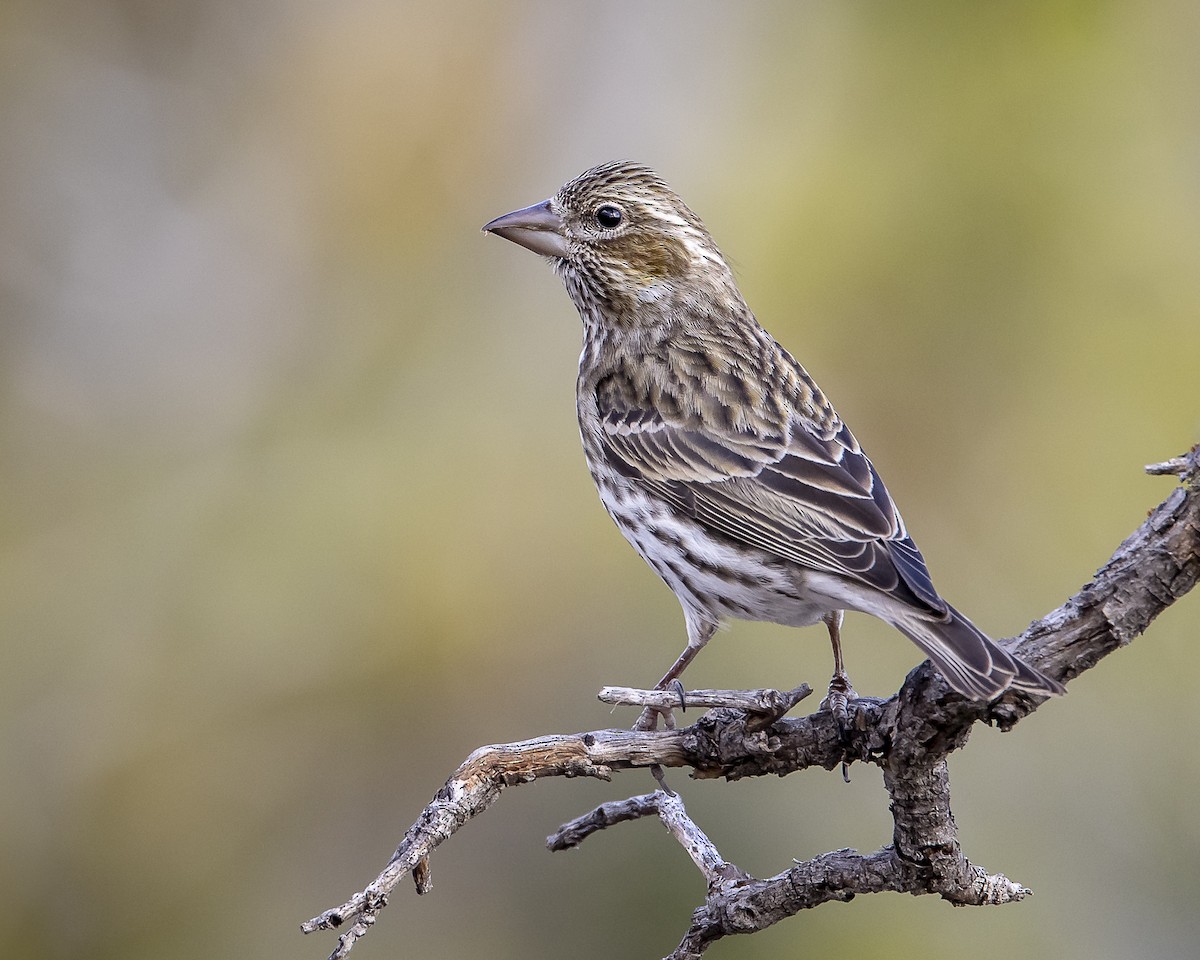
[{"x": 707, "y": 573}]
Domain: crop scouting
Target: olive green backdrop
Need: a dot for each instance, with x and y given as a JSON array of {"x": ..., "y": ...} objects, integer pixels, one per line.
[{"x": 293, "y": 514}]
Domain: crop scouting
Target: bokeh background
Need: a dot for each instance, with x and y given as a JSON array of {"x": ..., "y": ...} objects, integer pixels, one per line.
[{"x": 293, "y": 514}]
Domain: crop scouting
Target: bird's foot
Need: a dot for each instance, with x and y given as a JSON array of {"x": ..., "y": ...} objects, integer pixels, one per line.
[
  {"x": 649, "y": 721},
  {"x": 837, "y": 702},
  {"x": 649, "y": 716}
]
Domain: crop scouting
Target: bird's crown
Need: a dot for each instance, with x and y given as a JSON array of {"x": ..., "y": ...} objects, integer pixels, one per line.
[{"x": 625, "y": 216}]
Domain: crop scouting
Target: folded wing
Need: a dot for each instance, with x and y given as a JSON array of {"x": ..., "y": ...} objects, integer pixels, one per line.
[{"x": 799, "y": 490}]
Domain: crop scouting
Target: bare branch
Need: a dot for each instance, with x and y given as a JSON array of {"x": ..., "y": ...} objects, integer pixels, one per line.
[
  {"x": 908, "y": 735},
  {"x": 573, "y": 833},
  {"x": 670, "y": 810},
  {"x": 770, "y": 702},
  {"x": 1183, "y": 466}
]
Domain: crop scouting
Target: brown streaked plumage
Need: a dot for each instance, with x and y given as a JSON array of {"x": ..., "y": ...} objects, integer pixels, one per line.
[{"x": 716, "y": 453}]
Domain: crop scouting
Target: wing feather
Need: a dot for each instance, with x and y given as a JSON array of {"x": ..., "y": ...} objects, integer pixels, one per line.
[{"x": 813, "y": 500}]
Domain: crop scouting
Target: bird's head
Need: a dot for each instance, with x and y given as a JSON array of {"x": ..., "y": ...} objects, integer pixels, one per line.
[{"x": 621, "y": 238}]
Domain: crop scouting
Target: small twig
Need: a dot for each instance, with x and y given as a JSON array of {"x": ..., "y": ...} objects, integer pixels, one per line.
[
  {"x": 764, "y": 701},
  {"x": 1183, "y": 466},
  {"x": 574, "y": 832},
  {"x": 670, "y": 810},
  {"x": 689, "y": 836}
]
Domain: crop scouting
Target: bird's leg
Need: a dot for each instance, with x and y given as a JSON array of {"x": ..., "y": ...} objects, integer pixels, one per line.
[
  {"x": 649, "y": 718},
  {"x": 699, "y": 633},
  {"x": 840, "y": 690}
]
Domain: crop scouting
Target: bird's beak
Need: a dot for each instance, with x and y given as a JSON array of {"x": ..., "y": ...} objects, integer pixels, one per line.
[{"x": 537, "y": 228}]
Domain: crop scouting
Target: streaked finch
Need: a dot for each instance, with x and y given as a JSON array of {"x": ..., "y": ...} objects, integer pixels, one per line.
[{"x": 716, "y": 454}]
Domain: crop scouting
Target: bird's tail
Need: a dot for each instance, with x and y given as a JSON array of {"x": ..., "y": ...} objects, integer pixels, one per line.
[{"x": 973, "y": 664}]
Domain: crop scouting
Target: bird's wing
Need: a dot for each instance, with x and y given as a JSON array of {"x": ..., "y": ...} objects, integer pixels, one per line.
[{"x": 800, "y": 490}]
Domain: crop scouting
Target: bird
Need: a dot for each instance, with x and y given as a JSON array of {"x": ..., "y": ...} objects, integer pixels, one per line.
[{"x": 715, "y": 452}]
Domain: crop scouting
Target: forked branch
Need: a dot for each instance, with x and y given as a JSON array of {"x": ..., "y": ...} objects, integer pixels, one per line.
[{"x": 909, "y": 735}]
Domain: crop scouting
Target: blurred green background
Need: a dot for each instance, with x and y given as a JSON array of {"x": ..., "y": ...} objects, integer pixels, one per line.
[{"x": 293, "y": 513}]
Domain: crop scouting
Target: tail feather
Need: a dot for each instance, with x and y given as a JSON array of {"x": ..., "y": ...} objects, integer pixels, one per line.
[
  {"x": 973, "y": 664},
  {"x": 1032, "y": 680}
]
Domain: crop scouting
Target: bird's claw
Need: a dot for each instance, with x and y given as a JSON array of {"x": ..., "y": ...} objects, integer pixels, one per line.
[{"x": 677, "y": 686}]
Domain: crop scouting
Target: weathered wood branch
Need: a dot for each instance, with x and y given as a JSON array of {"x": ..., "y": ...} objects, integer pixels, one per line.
[{"x": 908, "y": 735}]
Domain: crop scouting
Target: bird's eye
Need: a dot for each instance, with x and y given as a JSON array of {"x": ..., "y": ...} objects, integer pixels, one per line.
[{"x": 608, "y": 216}]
